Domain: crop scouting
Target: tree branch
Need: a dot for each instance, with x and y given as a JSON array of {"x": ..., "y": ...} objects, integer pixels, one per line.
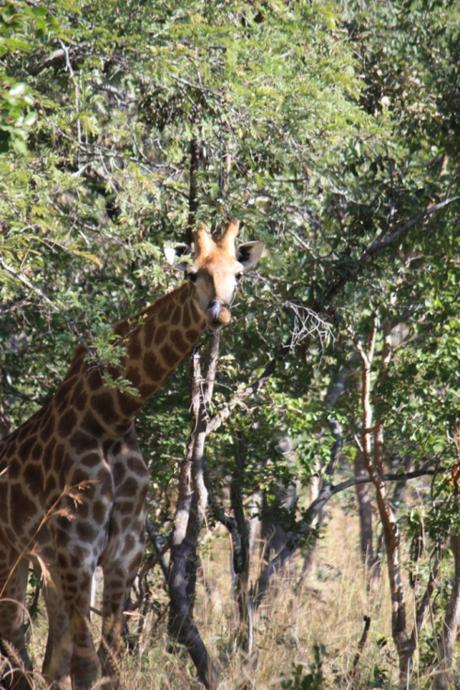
[{"x": 381, "y": 243}]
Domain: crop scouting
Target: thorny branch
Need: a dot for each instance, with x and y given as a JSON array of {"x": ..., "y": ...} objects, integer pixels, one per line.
[{"x": 307, "y": 323}]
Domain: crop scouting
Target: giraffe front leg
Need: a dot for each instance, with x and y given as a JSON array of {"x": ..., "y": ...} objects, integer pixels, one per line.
[
  {"x": 76, "y": 591},
  {"x": 59, "y": 647},
  {"x": 118, "y": 579},
  {"x": 15, "y": 670}
]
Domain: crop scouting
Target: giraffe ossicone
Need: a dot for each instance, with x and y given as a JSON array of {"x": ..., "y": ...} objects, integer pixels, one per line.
[{"x": 73, "y": 481}]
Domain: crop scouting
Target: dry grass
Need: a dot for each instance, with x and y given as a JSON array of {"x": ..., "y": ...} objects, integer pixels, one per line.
[{"x": 328, "y": 611}]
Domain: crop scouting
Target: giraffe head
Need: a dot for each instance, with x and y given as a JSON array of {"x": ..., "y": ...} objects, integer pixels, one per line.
[{"x": 216, "y": 269}]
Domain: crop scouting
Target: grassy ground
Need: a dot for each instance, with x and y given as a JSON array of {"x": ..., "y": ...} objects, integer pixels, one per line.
[{"x": 303, "y": 640}]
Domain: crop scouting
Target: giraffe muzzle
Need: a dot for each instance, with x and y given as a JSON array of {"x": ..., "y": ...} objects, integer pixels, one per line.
[{"x": 218, "y": 313}]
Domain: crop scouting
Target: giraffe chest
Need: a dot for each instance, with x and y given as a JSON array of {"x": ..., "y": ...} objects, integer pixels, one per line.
[{"x": 130, "y": 482}]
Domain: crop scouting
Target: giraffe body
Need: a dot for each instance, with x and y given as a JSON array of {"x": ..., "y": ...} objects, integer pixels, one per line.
[{"x": 73, "y": 481}]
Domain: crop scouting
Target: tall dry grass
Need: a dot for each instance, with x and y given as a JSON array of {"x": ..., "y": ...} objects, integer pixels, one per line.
[{"x": 325, "y": 614}]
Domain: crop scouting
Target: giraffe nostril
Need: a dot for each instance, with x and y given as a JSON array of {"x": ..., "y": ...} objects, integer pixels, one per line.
[{"x": 214, "y": 309}]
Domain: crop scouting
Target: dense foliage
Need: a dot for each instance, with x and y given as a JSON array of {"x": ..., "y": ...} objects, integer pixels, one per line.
[{"x": 330, "y": 128}]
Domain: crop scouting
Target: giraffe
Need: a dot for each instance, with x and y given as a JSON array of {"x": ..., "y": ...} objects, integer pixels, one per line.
[{"x": 73, "y": 481}]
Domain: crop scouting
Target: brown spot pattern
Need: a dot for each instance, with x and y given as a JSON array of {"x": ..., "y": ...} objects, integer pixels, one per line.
[
  {"x": 192, "y": 334},
  {"x": 99, "y": 512},
  {"x": 127, "y": 404},
  {"x": 186, "y": 321},
  {"x": 50, "y": 486},
  {"x": 152, "y": 367},
  {"x": 121, "y": 328},
  {"x": 37, "y": 451},
  {"x": 194, "y": 315},
  {"x": 176, "y": 316},
  {"x": 85, "y": 531},
  {"x": 134, "y": 376},
  {"x": 67, "y": 423},
  {"x": 94, "y": 379},
  {"x": 47, "y": 426},
  {"x": 102, "y": 403},
  {"x": 91, "y": 425},
  {"x": 147, "y": 389},
  {"x": 119, "y": 471},
  {"x": 22, "y": 507},
  {"x": 60, "y": 398},
  {"x": 128, "y": 488},
  {"x": 137, "y": 465},
  {"x": 81, "y": 442},
  {"x": 26, "y": 447},
  {"x": 79, "y": 396},
  {"x": 90, "y": 460},
  {"x": 149, "y": 330},
  {"x": 170, "y": 356},
  {"x": 33, "y": 477},
  {"x": 14, "y": 469},
  {"x": 160, "y": 334},
  {"x": 164, "y": 313},
  {"x": 134, "y": 346},
  {"x": 179, "y": 342}
]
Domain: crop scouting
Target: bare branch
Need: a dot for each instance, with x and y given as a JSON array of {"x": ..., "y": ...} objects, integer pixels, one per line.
[
  {"x": 307, "y": 322},
  {"x": 383, "y": 242}
]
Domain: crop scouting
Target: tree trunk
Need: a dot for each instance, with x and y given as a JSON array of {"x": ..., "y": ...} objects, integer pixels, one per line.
[
  {"x": 443, "y": 680},
  {"x": 241, "y": 553},
  {"x": 313, "y": 517},
  {"x": 365, "y": 514},
  {"x": 372, "y": 450},
  {"x": 277, "y": 518},
  {"x": 277, "y": 513},
  {"x": 190, "y": 512}
]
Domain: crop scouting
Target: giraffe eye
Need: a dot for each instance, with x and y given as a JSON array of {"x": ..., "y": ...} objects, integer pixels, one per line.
[
  {"x": 192, "y": 276},
  {"x": 239, "y": 275}
]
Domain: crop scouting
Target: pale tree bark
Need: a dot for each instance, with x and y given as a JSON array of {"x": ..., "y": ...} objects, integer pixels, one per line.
[
  {"x": 363, "y": 494},
  {"x": 373, "y": 459},
  {"x": 371, "y": 445},
  {"x": 192, "y": 493},
  {"x": 190, "y": 513}
]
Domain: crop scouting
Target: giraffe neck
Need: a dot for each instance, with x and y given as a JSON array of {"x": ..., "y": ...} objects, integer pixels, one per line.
[
  {"x": 156, "y": 341},
  {"x": 165, "y": 334}
]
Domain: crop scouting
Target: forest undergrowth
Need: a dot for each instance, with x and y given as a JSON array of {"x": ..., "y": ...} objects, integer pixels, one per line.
[{"x": 306, "y": 637}]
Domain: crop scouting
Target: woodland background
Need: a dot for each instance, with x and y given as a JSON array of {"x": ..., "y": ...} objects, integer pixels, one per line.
[{"x": 323, "y": 458}]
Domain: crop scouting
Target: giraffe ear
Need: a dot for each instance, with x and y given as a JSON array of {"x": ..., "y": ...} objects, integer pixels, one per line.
[
  {"x": 249, "y": 253},
  {"x": 177, "y": 255}
]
